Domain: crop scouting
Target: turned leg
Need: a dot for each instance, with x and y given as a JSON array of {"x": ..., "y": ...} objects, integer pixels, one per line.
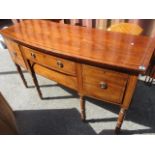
[
  {"x": 21, "y": 75},
  {"x": 82, "y": 106},
  {"x": 120, "y": 120},
  {"x": 126, "y": 101},
  {"x": 35, "y": 80}
]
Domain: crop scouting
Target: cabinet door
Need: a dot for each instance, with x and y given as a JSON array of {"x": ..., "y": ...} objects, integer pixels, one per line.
[{"x": 7, "y": 118}]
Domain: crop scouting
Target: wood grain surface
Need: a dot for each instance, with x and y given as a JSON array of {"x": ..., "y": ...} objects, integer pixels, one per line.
[{"x": 90, "y": 45}]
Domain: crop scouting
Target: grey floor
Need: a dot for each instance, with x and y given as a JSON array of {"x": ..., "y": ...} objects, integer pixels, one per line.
[{"x": 59, "y": 112}]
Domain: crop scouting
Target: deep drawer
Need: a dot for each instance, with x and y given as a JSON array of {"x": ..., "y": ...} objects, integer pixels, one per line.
[
  {"x": 104, "y": 84},
  {"x": 66, "y": 80}
]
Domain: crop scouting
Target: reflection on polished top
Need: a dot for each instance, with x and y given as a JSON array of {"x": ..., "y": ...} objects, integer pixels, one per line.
[{"x": 96, "y": 46}]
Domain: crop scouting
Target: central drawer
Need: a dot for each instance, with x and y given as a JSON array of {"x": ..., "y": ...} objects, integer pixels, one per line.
[
  {"x": 104, "y": 84},
  {"x": 56, "y": 63},
  {"x": 64, "y": 79}
]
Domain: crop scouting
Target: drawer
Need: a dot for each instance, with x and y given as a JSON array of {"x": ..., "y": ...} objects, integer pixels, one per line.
[
  {"x": 104, "y": 84},
  {"x": 56, "y": 63},
  {"x": 64, "y": 79},
  {"x": 15, "y": 52}
]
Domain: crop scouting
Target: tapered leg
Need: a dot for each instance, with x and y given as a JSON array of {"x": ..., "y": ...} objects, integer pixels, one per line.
[
  {"x": 82, "y": 106},
  {"x": 120, "y": 120},
  {"x": 37, "y": 85},
  {"x": 21, "y": 75},
  {"x": 35, "y": 80}
]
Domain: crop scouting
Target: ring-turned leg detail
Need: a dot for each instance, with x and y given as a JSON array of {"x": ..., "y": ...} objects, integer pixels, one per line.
[
  {"x": 120, "y": 120},
  {"x": 82, "y": 106}
]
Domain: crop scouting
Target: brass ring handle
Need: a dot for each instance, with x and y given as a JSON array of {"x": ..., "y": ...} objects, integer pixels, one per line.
[
  {"x": 103, "y": 85},
  {"x": 33, "y": 55},
  {"x": 60, "y": 64}
]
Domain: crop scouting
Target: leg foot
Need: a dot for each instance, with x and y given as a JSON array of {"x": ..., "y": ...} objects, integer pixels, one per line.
[
  {"x": 120, "y": 120},
  {"x": 82, "y": 106},
  {"x": 117, "y": 130}
]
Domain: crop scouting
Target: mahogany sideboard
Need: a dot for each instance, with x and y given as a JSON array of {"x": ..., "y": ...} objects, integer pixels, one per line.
[{"x": 96, "y": 63}]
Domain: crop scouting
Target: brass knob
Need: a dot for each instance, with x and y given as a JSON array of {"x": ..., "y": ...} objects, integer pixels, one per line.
[
  {"x": 33, "y": 55},
  {"x": 60, "y": 64},
  {"x": 103, "y": 85}
]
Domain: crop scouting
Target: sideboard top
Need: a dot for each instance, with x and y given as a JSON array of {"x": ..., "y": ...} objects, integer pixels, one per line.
[{"x": 113, "y": 49}]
